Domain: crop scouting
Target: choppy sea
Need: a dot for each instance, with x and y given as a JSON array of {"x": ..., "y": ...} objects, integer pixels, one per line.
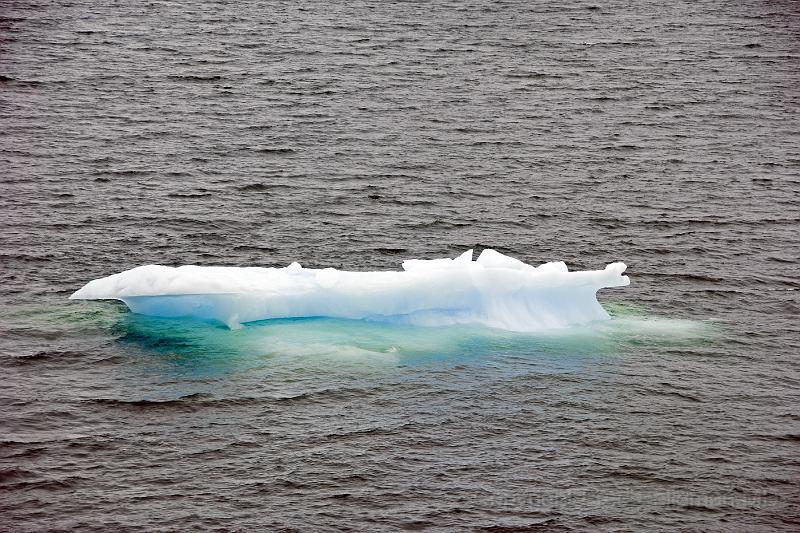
[{"x": 356, "y": 135}]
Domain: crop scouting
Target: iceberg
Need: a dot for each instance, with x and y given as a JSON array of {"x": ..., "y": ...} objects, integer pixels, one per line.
[{"x": 495, "y": 290}]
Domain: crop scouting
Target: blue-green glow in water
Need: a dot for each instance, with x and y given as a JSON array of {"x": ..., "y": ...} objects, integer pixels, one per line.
[{"x": 376, "y": 342}]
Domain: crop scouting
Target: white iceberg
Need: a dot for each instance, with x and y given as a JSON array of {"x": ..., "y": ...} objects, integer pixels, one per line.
[{"x": 495, "y": 291}]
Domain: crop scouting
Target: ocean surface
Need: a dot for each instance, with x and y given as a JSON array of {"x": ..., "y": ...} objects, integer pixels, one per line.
[{"x": 257, "y": 133}]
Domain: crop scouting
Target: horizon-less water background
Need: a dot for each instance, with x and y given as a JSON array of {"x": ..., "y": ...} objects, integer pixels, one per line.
[{"x": 260, "y": 133}]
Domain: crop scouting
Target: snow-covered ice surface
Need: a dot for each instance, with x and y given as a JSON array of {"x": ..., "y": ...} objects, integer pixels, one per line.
[{"x": 495, "y": 290}]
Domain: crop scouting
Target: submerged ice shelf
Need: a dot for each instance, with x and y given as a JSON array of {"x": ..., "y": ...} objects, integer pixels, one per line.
[{"x": 495, "y": 290}]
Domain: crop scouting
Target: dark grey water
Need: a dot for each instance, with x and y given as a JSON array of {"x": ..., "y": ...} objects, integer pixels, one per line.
[{"x": 258, "y": 133}]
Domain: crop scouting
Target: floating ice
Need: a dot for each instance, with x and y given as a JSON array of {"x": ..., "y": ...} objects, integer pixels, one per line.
[{"x": 496, "y": 291}]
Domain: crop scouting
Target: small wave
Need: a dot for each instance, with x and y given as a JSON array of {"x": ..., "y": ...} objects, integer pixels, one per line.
[
  {"x": 531, "y": 75},
  {"x": 254, "y": 248},
  {"x": 259, "y": 127},
  {"x": 196, "y": 77},
  {"x": 148, "y": 404},
  {"x": 682, "y": 396},
  {"x": 438, "y": 224},
  {"x": 201, "y": 400},
  {"x": 271, "y": 150},
  {"x": 597, "y": 519},
  {"x": 46, "y": 357},
  {"x": 29, "y": 257},
  {"x": 391, "y": 251},
  {"x": 413, "y": 202},
  {"x": 622, "y": 147},
  {"x": 789, "y": 437},
  {"x": 50, "y": 485},
  {"x": 125, "y": 172},
  {"x": 700, "y": 508},
  {"x": 14, "y": 475},
  {"x": 189, "y": 195},
  {"x": 257, "y": 187},
  {"x": 21, "y": 83}
]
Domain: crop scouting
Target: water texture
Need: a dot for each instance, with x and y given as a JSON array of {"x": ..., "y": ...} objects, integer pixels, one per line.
[{"x": 354, "y": 136}]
